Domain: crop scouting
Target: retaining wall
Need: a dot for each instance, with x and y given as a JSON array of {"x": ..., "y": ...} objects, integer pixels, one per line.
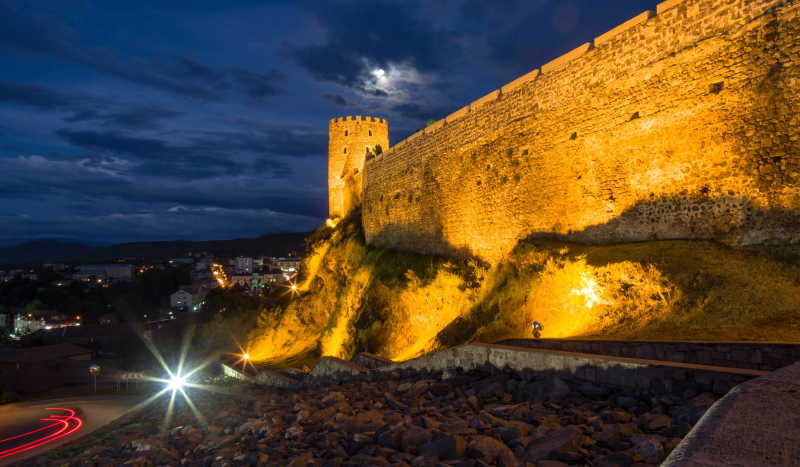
[{"x": 752, "y": 355}]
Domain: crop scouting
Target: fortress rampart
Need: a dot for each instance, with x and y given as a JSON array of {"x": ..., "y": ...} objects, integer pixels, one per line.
[{"x": 679, "y": 123}]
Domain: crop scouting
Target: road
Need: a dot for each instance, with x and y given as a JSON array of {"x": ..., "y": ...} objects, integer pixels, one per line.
[{"x": 24, "y": 434}]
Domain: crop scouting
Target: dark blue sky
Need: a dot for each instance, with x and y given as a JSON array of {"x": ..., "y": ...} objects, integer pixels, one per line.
[{"x": 158, "y": 119}]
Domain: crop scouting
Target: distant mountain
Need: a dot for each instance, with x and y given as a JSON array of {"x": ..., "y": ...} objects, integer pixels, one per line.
[
  {"x": 42, "y": 251},
  {"x": 38, "y": 251}
]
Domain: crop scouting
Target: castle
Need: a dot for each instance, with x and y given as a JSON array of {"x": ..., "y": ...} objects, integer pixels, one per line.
[{"x": 681, "y": 123}]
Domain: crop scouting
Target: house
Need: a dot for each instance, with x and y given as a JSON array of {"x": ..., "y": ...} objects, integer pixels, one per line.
[
  {"x": 188, "y": 297},
  {"x": 116, "y": 272},
  {"x": 36, "y": 369}
]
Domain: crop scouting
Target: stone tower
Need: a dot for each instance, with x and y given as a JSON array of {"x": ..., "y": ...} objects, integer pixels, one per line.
[{"x": 349, "y": 140}]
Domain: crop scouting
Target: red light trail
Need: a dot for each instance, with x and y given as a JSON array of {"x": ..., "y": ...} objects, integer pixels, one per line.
[{"x": 64, "y": 425}]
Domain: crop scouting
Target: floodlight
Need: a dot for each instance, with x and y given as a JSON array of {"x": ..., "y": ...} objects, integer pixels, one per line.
[{"x": 176, "y": 382}]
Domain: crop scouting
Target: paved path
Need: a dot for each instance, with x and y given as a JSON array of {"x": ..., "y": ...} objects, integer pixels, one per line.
[{"x": 23, "y": 434}]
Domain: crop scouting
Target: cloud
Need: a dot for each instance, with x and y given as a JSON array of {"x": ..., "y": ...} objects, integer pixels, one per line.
[
  {"x": 90, "y": 184},
  {"x": 121, "y": 226},
  {"x": 35, "y": 96},
  {"x": 184, "y": 76},
  {"x": 208, "y": 153},
  {"x": 413, "y": 111},
  {"x": 84, "y": 108},
  {"x": 338, "y": 100}
]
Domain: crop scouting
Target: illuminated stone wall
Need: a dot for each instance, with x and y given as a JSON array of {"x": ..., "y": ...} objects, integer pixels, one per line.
[
  {"x": 680, "y": 123},
  {"x": 348, "y": 141}
]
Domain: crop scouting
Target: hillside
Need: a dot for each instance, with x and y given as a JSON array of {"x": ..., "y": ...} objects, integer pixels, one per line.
[
  {"x": 279, "y": 244},
  {"x": 400, "y": 305}
]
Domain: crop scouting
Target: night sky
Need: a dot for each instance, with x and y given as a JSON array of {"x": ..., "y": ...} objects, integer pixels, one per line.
[{"x": 161, "y": 120}]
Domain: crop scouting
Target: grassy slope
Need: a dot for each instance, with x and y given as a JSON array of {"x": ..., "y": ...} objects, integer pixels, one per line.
[{"x": 360, "y": 298}]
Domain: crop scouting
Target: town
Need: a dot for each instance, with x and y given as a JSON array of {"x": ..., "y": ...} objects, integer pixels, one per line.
[{"x": 56, "y": 313}]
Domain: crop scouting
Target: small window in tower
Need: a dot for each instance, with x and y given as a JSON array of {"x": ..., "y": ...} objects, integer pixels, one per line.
[
  {"x": 345, "y": 132},
  {"x": 370, "y": 132},
  {"x": 345, "y": 150}
]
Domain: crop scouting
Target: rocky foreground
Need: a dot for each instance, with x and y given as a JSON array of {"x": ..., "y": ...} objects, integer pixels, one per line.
[{"x": 485, "y": 417}]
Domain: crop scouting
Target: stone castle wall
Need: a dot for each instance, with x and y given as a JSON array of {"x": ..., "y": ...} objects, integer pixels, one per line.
[{"x": 680, "y": 123}]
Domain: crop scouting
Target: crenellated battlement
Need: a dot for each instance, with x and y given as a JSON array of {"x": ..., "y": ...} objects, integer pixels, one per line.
[{"x": 358, "y": 118}]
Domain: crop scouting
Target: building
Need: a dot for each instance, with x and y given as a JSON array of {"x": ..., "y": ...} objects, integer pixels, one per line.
[
  {"x": 350, "y": 140},
  {"x": 240, "y": 279},
  {"x": 36, "y": 369},
  {"x": 243, "y": 265},
  {"x": 189, "y": 298},
  {"x": 287, "y": 265},
  {"x": 275, "y": 276},
  {"x": 114, "y": 272}
]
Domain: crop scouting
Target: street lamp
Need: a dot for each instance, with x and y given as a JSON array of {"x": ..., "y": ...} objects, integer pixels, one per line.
[{"x": 94, "y": 370}]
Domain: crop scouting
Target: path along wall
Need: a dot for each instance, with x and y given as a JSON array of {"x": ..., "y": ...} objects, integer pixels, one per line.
[{"x": 680, "y": 123}]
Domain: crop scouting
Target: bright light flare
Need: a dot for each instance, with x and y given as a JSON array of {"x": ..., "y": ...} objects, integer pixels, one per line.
[
  {"x": 176, "y": 382},
  {"x": 246, "y": 356}
]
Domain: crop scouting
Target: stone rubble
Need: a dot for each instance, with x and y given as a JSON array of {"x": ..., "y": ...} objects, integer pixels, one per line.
[{"x": 484, "y": 417}]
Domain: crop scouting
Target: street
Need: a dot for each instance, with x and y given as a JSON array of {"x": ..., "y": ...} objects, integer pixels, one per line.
[{"x": 28, "y": 429}]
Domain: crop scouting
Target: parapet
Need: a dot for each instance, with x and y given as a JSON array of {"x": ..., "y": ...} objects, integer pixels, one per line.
[{"x": 358, "y": 118}]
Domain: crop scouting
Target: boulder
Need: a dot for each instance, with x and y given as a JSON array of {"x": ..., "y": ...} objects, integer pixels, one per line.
[{"x": 444, "y": 447}]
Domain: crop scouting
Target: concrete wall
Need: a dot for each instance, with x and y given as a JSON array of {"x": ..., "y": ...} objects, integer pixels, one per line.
[
  {"x": 647, "y": 376},
  {"x": 753, "y": 355},
  {"x": 756, "y": 423},
  {"x": 681, "y": 124}
]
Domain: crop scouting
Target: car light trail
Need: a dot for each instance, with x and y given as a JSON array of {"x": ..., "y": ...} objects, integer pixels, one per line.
[{"x": 65, "y": 424}]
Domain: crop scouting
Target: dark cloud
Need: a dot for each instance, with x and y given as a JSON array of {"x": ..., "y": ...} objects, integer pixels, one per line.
[
  {"x": 84, "y": 108},
  {"x": 338, "y": 100},
  {"x": 362, "y": 34},
  {"x": 208, "y": 154},
  {"x": 413, "y": 111},
  {"x": 35, "y": 96},
  {"x": 131, "y": 118},
  {"x": 184, "y": 76}
]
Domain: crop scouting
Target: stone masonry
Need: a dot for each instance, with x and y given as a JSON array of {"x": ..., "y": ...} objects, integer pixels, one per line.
[{"x": 679, "y": 123}]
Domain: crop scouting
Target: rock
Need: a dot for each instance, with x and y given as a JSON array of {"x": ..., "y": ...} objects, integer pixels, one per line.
[
  {"x": 648, "y": 447},
  {"x": 302, "y": 460},
  {"x": 558, "y": 389},
  {"x": 293, "y": 432},
  {"x": 626, "y": 402},
  {"x": 656, "y": 422},
  {"x": 413, "y": 437},
  {"x": 336, "y": 396},
  {"x": 616, "y": 459},
  {"x": 473, "y": 402},
  {"x": 616, "y": 416},
  {"x": 551, "y": 463},
  {"x": 491, "y": 451},
  {"x": 444, "y": 447},
  {"x": 593, "y": 390},
  {"x": 370, "y": 420},
  {"x": 567, "y": 439}
]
